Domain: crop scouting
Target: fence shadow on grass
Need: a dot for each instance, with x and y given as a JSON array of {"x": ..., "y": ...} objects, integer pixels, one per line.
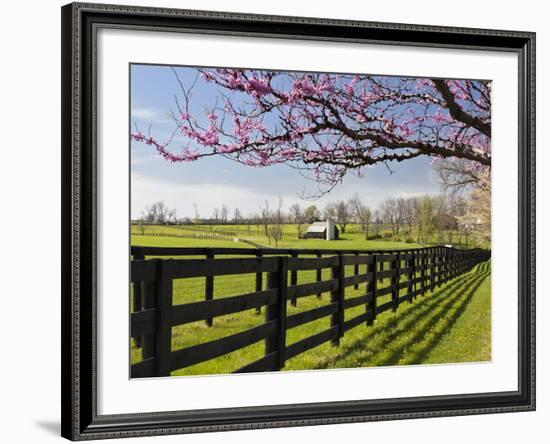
[
  {"x": 443, "y": 320},
  {"x": 372, "y": 349}
]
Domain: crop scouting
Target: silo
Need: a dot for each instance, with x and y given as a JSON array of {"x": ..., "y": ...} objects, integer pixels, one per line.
[{"x": 331, "y": 235}]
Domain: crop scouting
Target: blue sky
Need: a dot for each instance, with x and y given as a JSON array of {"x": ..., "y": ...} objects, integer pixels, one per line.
[{"x": 212, "y": 182}]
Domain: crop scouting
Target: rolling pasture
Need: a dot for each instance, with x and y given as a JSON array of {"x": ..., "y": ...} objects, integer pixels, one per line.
[
  {"x": 255, "y": 234},
  {"x": 449, "y": 324},
  {"x": 238, "y": 236}
]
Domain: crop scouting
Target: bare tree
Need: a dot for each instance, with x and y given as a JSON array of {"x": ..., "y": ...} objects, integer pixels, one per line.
[
  {"x": 265, "y": 215},
  {"x": 141, "y": 226},
  {"x": 224, "y": 214},
  {"x": 237, "y": 216},
  {"x": 378, "y": 220},
  {"x": 157, "y": 213},
  {"x": 149, "y": 214},
  {"x": 171, "y": 216},
  {"x": 457, "y": 175},
  {"x": 401, "y": 219},
  {"x": 249, "y": 221},
  {"x": 197, "y": 216},
  {"x": 162, "y": 212},
  {"x": 439, "y": 216},
  {"x": 411, "y": 205},
  {"x": 256, "y": 219},
  {"x": 343, "y": 215},
  {"x": 388, "y": 213},
  {"x": 216, "y": 215},
  {"x": 298, "y": 218},
  {"x": 361, "y": 213},
  {"x": 277, "y": 223},
  {"x": 340, "y": 212}
]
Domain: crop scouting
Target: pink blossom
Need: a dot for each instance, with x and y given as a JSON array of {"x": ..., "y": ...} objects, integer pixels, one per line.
[
  {"x": 331, "y": 123},
  {"x": 261, "y": 86}
]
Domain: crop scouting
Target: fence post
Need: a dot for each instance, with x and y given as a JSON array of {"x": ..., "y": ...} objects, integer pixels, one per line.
[
  {"x": 422, "y": 271},
  {"x": 451, "y": 263},
  {"x": 148, "y": 342},
  {"x": 356, "y": 271},
  {"x": 451, "y": 258},
  {"x": 319, "y": 275},
  {"x": 432, "y": 269},
  {"x": 294, "y": 279},
  {"x": 446, "y": 265},
  {"x": 412, "y": 276},
  {"x": 138, "y": 298},
  {"x": 337, "y": 296},
  {"x": 209, "y": 287},
  {"x": 163, "y": 321},
  {"x": 371, "y": 288},
  {"x": 444, "y": 257},
  {"x": 277, "y": 311},
  {"x": 157, "y": 295},
  {"x": 259, "y": 279},
  {"x": 441, "y": 266},
  {"x": 395, "y": 265},
  {"x": 454, "y": 257},
  {"x": 438, "y": 262},
  {"x": 435, "y": 269}
]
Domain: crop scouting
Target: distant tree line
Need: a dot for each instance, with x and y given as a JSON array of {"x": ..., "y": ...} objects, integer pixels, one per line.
[{"x": 449, "y": 217}]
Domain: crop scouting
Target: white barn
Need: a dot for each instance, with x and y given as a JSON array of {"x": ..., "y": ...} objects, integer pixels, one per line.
[{"x": 322, "y": 230}]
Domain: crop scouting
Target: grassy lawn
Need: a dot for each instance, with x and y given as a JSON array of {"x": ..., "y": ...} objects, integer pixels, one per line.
[
  {"x": 351, "y": 239},
  {"x": 450, "y": 325},
  {"x": 347, "y": 241},
  {"x": 471, "y": 334},
  {"x": 427, "y": 330},
  {"x": 152, "y": 241}
]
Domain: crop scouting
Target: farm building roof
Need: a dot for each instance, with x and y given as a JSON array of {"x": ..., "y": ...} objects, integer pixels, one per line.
[{"x": 317, "y": 227}]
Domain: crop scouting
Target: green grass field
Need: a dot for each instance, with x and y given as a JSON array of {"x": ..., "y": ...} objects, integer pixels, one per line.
[
  {"x": 346, "y": 241},
  {"x": 353, "y": 238},
  {"x": 451, "y": 324}
]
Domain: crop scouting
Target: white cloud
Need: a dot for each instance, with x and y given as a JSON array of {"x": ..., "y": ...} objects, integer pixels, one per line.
[
  {"x": 146, "y": 190},
  {"x": 143, "y": 160},
  {"x": 149, "y": 114},
  {"x": 408, "y": 194}
]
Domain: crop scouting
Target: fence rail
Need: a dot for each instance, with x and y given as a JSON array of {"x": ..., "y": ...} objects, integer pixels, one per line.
[
  {"x": 414, "y": 271},
  {"x": 199, "y": 235}
]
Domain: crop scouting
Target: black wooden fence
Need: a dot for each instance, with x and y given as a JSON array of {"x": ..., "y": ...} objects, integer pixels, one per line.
[{"x": 415, "y": 271}]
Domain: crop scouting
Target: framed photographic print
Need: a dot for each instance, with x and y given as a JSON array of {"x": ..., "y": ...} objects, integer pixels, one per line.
[{"x": 278, "y": 221}]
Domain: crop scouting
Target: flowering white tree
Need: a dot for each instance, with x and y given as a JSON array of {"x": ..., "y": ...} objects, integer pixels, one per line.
[{"x": 477, "y": 217}]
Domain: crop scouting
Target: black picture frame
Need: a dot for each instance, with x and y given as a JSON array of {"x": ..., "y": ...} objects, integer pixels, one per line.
[{"x": 80, "y": 420}]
